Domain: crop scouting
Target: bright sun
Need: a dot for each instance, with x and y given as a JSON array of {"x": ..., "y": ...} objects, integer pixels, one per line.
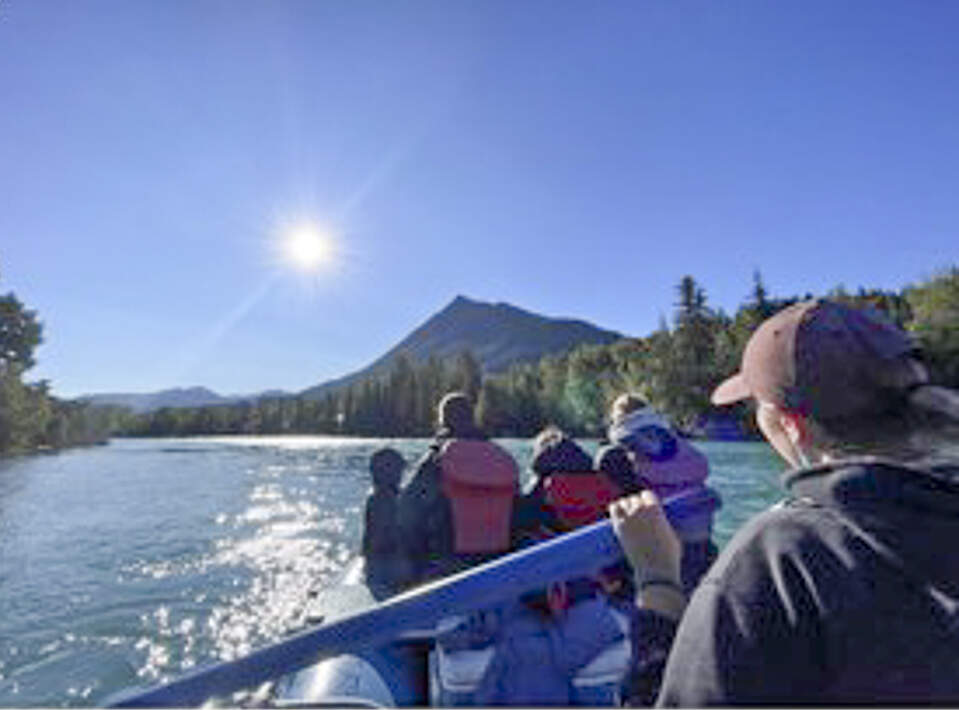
[{"x": 307, "y": 248}]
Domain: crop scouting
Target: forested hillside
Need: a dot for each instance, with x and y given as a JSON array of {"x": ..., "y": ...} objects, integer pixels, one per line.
[{"x": 676, "y": 368}]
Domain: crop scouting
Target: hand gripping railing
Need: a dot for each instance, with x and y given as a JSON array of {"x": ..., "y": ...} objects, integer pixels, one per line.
[{"x": 577, "y": 553}]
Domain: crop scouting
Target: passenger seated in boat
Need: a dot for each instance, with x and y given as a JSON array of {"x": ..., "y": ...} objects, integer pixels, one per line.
[
  {"x": 541, "y": 650},
  {"x": 386, "y": 565},
  {"x": 566, "y": 492},
  {"x": 456, "y": 509},
  {"x": 844, "y": 593},
  {"x": 552, "y": 451},
  {"x": 613, "y": 460},
  {"x": 667, "y": 464}
]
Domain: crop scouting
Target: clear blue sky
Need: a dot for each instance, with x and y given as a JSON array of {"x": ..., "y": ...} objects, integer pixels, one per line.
[{"x": 572, "y": 158}]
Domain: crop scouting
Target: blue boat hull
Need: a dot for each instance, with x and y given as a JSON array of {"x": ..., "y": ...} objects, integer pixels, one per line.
[
  {"x": 414, "y": 671},
  {"x": 394, "y": 675}
]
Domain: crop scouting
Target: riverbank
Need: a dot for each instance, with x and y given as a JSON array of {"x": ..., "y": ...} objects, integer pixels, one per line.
[{"x": 49, "y": 449}]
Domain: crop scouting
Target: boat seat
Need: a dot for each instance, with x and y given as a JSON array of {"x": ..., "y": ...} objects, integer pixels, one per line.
[
  {"x": 598, "y": 684},
  {"x": 455, "y": 675}
]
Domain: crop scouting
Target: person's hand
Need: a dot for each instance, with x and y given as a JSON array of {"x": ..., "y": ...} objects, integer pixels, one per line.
[{"x": 653, "y": 550}]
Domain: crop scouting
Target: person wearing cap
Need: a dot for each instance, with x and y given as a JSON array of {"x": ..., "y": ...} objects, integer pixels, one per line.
[
  {"x": 668, "y": 465},
  {"x": 846, "y": 592},
  {"x": 442, "y": 534}
]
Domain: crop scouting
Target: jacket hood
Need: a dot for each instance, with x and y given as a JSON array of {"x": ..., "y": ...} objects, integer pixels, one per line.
[
  {"x": 908, "y": 513},
  {"x": 645, "y": 432}
]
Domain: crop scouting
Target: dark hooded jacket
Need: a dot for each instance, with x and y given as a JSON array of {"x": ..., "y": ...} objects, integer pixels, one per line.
[
  {"x": 425, "y": 515},
  {"x": 847, "y": 592},
  {"x": 386, "y": 567}
]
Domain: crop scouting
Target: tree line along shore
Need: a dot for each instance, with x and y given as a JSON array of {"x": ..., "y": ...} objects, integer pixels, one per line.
[
  {"x": 31, "y": 419},
  {"x": 675, "y": 368}
]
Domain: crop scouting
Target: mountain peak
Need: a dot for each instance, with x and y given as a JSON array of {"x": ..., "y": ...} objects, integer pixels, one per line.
[
  {"x": 461, "y": 301},
  {"x": 499, "y": 335}
]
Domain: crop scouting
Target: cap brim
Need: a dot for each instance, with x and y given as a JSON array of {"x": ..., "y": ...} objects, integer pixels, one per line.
[{"x": 732, "y": 390}]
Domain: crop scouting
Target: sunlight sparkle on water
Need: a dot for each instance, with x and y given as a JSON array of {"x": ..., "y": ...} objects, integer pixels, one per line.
[{"x": 292, "y": 442}]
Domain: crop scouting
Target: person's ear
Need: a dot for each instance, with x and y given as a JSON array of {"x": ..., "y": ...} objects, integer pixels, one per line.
[
  {"x": 776, "y": 425},
  {"x": 796, "y": 428}
]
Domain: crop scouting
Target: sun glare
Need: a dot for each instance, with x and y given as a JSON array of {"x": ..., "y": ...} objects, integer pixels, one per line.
[{"x": 307, "y": 247}]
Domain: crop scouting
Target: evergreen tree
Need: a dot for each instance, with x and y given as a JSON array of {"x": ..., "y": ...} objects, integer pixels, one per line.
[
  {"x": 494, "y": 412},
  {"x": 25, "y": 410},
  {"x": 692, "y": 352},
  {"x": 524, "y": 387},
  {"x": 20, "y": 334},
  {"x": 467, "y": 374},
  {"x": 403, "y": 403},
  {"x": 589, "y": 368},
  {"x": 935, "y": 305}
]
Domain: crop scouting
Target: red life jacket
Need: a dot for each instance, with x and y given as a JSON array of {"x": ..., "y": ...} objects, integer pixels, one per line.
[
  {"x": 480, "y": 479},
  {"x": 580, "y": 498}
]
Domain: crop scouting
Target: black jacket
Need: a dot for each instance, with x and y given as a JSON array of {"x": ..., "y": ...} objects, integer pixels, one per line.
[
  {"x": 848, "y": 592},
  {"x": 381, "y": 530},
  {"x": 387, "y": 570},
  {"x": 425, "y": 516}
]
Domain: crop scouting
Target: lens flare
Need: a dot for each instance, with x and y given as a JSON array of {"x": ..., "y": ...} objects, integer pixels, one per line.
[{"x": 307, "y": 248}]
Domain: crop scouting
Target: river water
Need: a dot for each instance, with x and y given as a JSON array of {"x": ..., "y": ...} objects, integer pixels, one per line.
[{"x": 134, "y": 562}]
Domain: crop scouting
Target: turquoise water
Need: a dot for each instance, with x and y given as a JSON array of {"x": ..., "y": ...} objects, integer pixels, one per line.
[{"x": 134, "y": 562}]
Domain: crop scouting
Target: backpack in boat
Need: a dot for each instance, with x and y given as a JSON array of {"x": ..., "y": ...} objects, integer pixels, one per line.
[
  {"x": 480, "y": 480},
  {"x": 579, "y": 498}
]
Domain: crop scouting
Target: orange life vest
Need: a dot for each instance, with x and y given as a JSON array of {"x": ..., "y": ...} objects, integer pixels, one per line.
[
  {"x": 580, "y": 498},
  {"x": 480, "y": 480}
]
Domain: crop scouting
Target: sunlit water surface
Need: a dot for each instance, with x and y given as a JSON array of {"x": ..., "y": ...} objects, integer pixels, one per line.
[{"x": 132, "y": 563}]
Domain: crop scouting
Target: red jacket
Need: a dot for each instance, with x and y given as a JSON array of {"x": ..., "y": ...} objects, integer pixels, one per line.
[{"x": 580, "y": 498}]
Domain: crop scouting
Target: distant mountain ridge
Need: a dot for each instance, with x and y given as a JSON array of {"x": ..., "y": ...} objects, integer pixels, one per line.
[
  {"x": 499, "y": 335},
  {"x": 176, "y": 397}
]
